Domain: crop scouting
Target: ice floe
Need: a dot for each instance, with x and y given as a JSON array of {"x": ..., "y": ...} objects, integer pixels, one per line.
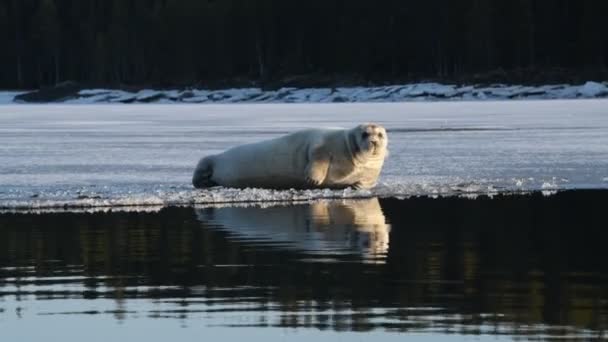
[{"x": 108, "y": 156}]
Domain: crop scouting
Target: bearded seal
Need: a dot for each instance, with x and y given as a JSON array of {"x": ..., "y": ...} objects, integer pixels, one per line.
[{"x": 307, "y": 159}]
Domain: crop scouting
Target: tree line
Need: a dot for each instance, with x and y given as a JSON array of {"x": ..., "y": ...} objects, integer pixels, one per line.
[{"x": 199, "y": 42}]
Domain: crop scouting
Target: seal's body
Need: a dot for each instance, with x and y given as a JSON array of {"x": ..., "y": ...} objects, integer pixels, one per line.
[{"x": 314, "y": 158}]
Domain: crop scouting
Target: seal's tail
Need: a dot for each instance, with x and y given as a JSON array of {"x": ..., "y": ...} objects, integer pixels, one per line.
[{"x": 202, "y": 174}]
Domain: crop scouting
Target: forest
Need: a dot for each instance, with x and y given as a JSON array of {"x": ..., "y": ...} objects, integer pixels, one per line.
[{"x": 177, "y": 43}]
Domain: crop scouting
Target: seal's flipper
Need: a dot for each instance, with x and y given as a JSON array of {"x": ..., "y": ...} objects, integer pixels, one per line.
[{"x": 317, "y": 167}]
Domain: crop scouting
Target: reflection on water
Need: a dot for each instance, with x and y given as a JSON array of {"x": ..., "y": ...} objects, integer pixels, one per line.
[
  {"x": 322, "y": 228},
  {"x": 512, "y": 266}
]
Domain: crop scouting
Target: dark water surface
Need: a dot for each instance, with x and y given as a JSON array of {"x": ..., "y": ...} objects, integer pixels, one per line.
[{"x": 511, "y": 267}]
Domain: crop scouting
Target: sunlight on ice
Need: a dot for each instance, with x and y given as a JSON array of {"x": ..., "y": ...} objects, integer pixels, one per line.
[{"x": 105, "y": 156}]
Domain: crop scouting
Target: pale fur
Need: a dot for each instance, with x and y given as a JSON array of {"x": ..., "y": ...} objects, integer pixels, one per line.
[{"x": 314, "y": 158}]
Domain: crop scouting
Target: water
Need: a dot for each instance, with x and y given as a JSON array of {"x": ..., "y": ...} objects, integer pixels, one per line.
[
  {"x": 511, "y": 267},
  {"x": 55, "y": 156}
]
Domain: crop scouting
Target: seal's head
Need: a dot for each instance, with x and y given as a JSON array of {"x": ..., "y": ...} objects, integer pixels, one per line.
[{"x": 369, "y": 139}]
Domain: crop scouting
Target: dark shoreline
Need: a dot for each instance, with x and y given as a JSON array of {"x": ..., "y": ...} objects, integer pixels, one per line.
[{"x": 523, "y": 76}]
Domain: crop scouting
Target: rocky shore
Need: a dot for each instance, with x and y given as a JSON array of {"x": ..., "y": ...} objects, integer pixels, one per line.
[{"x": 73, "y": 93}]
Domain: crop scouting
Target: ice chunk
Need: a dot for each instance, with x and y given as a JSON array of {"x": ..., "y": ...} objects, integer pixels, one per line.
[
  {"x": 565, "y": 91},
  {"x": 94, "y": 91},
  {"x": 8, "y": 96},
  {"x": 549, "y": 185},
  {"x": 319, "y": 95},
  {"x": 120, "y": 96},
  {"x": 593, "y": 89}
]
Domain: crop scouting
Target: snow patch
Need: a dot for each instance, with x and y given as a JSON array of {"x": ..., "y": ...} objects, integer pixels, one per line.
[
  {"x": 7, "y": 97},
  {"x": 593, "y": 89},
  {"x": 549, "y": 185},
  {"x": 92, "y": 92},
  {"x": 391, "y": 93}
]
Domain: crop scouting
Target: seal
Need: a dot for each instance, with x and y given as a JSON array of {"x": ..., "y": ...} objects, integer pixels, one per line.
[{"x": 313, "y": 158}]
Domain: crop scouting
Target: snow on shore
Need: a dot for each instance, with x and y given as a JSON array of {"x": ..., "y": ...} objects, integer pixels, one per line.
[
  {"x": 393, "y": 93},
  {"x": 8, "y": 96}
]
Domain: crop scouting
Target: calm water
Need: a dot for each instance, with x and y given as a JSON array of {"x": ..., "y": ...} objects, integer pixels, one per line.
[{"x": 511, "y": 267}]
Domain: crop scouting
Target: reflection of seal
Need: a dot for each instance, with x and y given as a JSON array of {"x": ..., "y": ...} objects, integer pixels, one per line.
[
  {"x": 320, "y": 227},
  {"x": 315, "y": 158}
]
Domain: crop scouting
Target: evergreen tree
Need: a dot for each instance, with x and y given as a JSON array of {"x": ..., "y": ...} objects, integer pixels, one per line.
[
  {"x": 46, "y": 31},
  {"x": 188, "y": 42},
  {"x": 4, "y": 53}
]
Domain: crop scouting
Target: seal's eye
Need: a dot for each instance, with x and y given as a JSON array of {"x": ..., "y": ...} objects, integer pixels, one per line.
[
  {"x": 365, "y": 135},
  {"x": 380, "y": 135}
]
